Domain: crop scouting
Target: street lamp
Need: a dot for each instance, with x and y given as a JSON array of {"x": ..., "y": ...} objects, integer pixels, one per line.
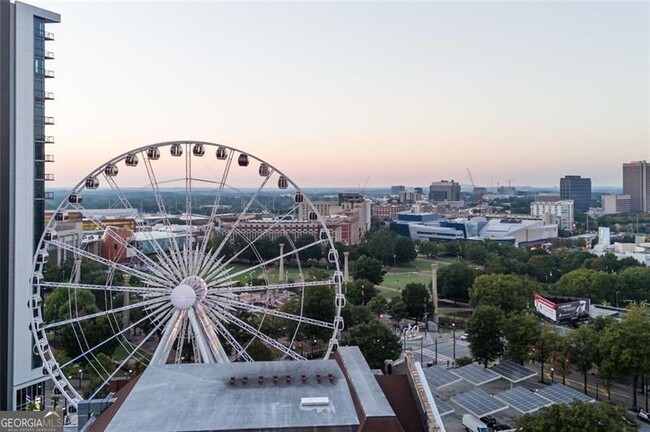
[
  {"x": 81, "y": 375},
  {"x": 363, "y": 295},
  {"x": 313, "y": 344},
  {"x": 552, "y": 376},
  {"x": 453, "y": 331}
]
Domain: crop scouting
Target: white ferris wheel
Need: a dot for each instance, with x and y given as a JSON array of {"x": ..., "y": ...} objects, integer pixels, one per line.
[{"x": 192, "y": 284}]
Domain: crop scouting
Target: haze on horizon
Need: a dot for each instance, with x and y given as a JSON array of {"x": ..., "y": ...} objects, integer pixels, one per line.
[{"x": 333, "y": 94}]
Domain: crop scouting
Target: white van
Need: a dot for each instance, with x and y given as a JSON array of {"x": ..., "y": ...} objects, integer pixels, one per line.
[{"x": 473, "y": 424}]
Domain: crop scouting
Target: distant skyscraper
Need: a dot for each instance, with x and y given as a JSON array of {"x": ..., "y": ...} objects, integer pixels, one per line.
[
  {"x": 444, "y": 190},
  {"x": 22, "y": 189},
  {"x": 636, "y": 184},
  {"x": 578, "y": 189},
  {"x": 395, "y": 190}
]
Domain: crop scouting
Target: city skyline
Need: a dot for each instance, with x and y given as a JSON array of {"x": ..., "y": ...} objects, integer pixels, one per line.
[{"x": 334, "y": 94}]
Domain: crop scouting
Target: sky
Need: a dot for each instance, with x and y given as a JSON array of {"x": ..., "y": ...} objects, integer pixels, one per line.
[{"x": 354, "y": 94}]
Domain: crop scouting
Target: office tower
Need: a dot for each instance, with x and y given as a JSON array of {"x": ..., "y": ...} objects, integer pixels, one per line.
[
  {"x": 444, "y": 191},
  {"x": 617, "y": 203},
  {"x": 578, "y": 189},
  {"x": 23, "y": 122},
  {"x": 635, "y": 184}
]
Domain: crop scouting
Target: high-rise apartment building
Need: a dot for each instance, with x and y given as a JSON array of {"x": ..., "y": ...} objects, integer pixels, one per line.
[
  {"x": 444, "y": 191},
  {"x": 636, "y": 183},
  {"x": 561, "y": 211},
  {"x": 578, "y": 189},
  {"x": 615, "y": 203},
  {"x": 23, "y": 139}
]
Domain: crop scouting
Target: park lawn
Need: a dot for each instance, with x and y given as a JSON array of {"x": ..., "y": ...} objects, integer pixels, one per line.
[
  {"x": 389, "y": 293},
  {"x": 292, "y": 273},
  {"x": 400, "y": 280}
]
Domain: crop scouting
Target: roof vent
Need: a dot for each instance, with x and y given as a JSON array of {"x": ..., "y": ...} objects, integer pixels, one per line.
[
  {"x": 232, "y": 381},
  {"x": 244, "y": 380},
  {"x": 318, "y": 378},
  {"x": 303, "y": 377},
  {"x": 331, "y": 377},
  {"x": 288, "y": 378},
  {"x": 314, "y": 401},
  {"x": 260, "y": 379}
]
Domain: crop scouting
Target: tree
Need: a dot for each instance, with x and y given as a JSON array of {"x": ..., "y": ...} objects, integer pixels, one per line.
[
  {"x": 380, "y": 245},
  {"x": 546, "y": 346},
  {"x": 368, "y": 268},
  {"x": 578, "y": 416},
  {"x": 64, "y": 303},
  {"x": 89, "y": 334},
  {"x": 594, "y": 284},
  {"x": 626, "y": 344},
  {"x": 583, "y": 351},
  {"x": 404, "y": 250},
  {"x": 360, "y": 291},
  {"x": 521, "y": 331},
  {"x": 454, "y": 281},
  {"x": 416, "y": 298},
  {"x": 484, "y": 333},
  {"x": 376, "y": 342},
  {"x": 356, "y": 314},
  {"x": 511, "y": 293},
  {"x": 378, "y": 305},
  {"x": 397, "y": 309},
  {"x": 429, "y": 249}
]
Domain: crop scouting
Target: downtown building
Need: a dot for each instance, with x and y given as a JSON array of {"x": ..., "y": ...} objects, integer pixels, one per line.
[
  {"x": 444, "y": 191},
  {"x": 636, "y": 178},
  {"x": 560, "y": 212},
  {"x": 578, "y": 189},
  {"x": 23, "y": 161}
]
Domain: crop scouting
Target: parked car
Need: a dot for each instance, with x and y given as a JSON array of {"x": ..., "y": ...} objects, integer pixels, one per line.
[
  {"x": 463, "y": 337},
  {"x": 473, "y": 424}
]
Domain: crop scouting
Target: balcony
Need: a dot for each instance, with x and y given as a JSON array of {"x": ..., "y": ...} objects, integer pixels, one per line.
[
  {"x": 48, "y": 73},
  {"x": 44, "y": 139},
  {"x": 45, "y": 120},
  {"x": 45, "y": 35},
  {"x": 48, "y": 55},
  {"x": 41, "y": 95},
  {"x": 48, "y": 195},
  {"x": 48, "y": 177},
  {"x": 48, "y": 158}
]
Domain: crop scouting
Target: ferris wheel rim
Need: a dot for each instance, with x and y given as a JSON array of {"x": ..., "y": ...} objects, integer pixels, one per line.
[{"x": 45, "y": 351}]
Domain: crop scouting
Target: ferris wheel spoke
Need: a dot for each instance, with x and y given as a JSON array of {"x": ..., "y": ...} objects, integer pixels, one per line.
[
  {"x": 172, "y": 328},
  {"x": 103, "y": 313},
  {"x": 128, "y": 357},
  {"x": 241, "y": 215},
  {"x": 263, "y": 310},
  {"x": 123, "y": 242},
  {"x": 160, "y": 311},
  {"x": 270, "y": 261},
  {"x": 145, "y": 277},
  {"x": 208, "y": 266},
  {"x": 113, "y": 288},
  {"x": 218, "y": 290},
  {"x": 158, "y": 250},
  {"x": 261, "y": 336},
  {"x": 180, "y": 342},
  {"x": 216, "y": 203}
]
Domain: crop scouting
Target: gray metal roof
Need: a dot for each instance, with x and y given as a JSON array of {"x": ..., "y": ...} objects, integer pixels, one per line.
[
  {"x": 200, "y": 397},
  {"x": 371, "y": 397}
]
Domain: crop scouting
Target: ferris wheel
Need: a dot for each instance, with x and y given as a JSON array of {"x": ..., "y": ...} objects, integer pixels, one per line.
[{"x": 216, "y": 278}]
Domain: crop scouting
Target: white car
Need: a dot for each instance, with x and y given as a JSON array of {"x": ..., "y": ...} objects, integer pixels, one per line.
[{"x": 463, "y": 337}]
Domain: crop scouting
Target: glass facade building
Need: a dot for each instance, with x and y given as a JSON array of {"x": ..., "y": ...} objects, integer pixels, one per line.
[{"x": 578, "y": 189}]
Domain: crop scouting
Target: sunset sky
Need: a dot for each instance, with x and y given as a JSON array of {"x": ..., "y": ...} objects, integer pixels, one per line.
[{"x": 334, "y": 93}]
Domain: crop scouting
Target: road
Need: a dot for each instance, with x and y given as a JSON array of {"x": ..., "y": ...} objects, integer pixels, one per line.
[{"x": 425, "y": 347}]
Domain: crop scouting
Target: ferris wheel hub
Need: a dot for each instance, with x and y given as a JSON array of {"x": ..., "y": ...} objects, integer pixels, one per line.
[{"x": 183, "y": 297}]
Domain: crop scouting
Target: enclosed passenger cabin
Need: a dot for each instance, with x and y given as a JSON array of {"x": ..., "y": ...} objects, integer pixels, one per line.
[
  {"x": 283, "y": 183},
  {"x": 92, "y": 183},
  {"x": 298, "y": 197},
  {"x": 111, "y": 170},
  {"x": 242, "y": 160},
  {"x": 176, "y": 150},
  {"x": 75, "y": 198},
  {"x": 198, "y": 150},
  {"x": 60, "y": 216},
  {"x": 153, "y": 153},
  {"x": 312, "y": 216},
  {"x": 222, "y": 153},
  {"x": 264, "y": 170},
  {"x": 131, "y": 160}
]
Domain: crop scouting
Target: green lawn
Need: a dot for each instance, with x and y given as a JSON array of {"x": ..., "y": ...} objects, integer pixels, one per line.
[
  {"x": 399, "y": 280},
  {"x": 272, "y": 274},
  {"x": 389, "y": 293}
]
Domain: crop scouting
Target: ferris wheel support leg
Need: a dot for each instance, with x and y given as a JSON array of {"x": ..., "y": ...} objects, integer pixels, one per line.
[
  {"x": 167, "y": 339},
  {"x": 200, "y": 338},
  {"x": 215, "y": 345}
]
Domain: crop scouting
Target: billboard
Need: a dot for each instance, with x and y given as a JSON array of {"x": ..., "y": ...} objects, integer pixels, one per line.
[
  {"x": 545, "y": 307},
  {"x": 566, "y": 311},
  {"x": 572, "y": 310}
]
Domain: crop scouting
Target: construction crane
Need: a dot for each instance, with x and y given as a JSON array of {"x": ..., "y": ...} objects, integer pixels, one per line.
[{"x": 479, "y": 200}]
